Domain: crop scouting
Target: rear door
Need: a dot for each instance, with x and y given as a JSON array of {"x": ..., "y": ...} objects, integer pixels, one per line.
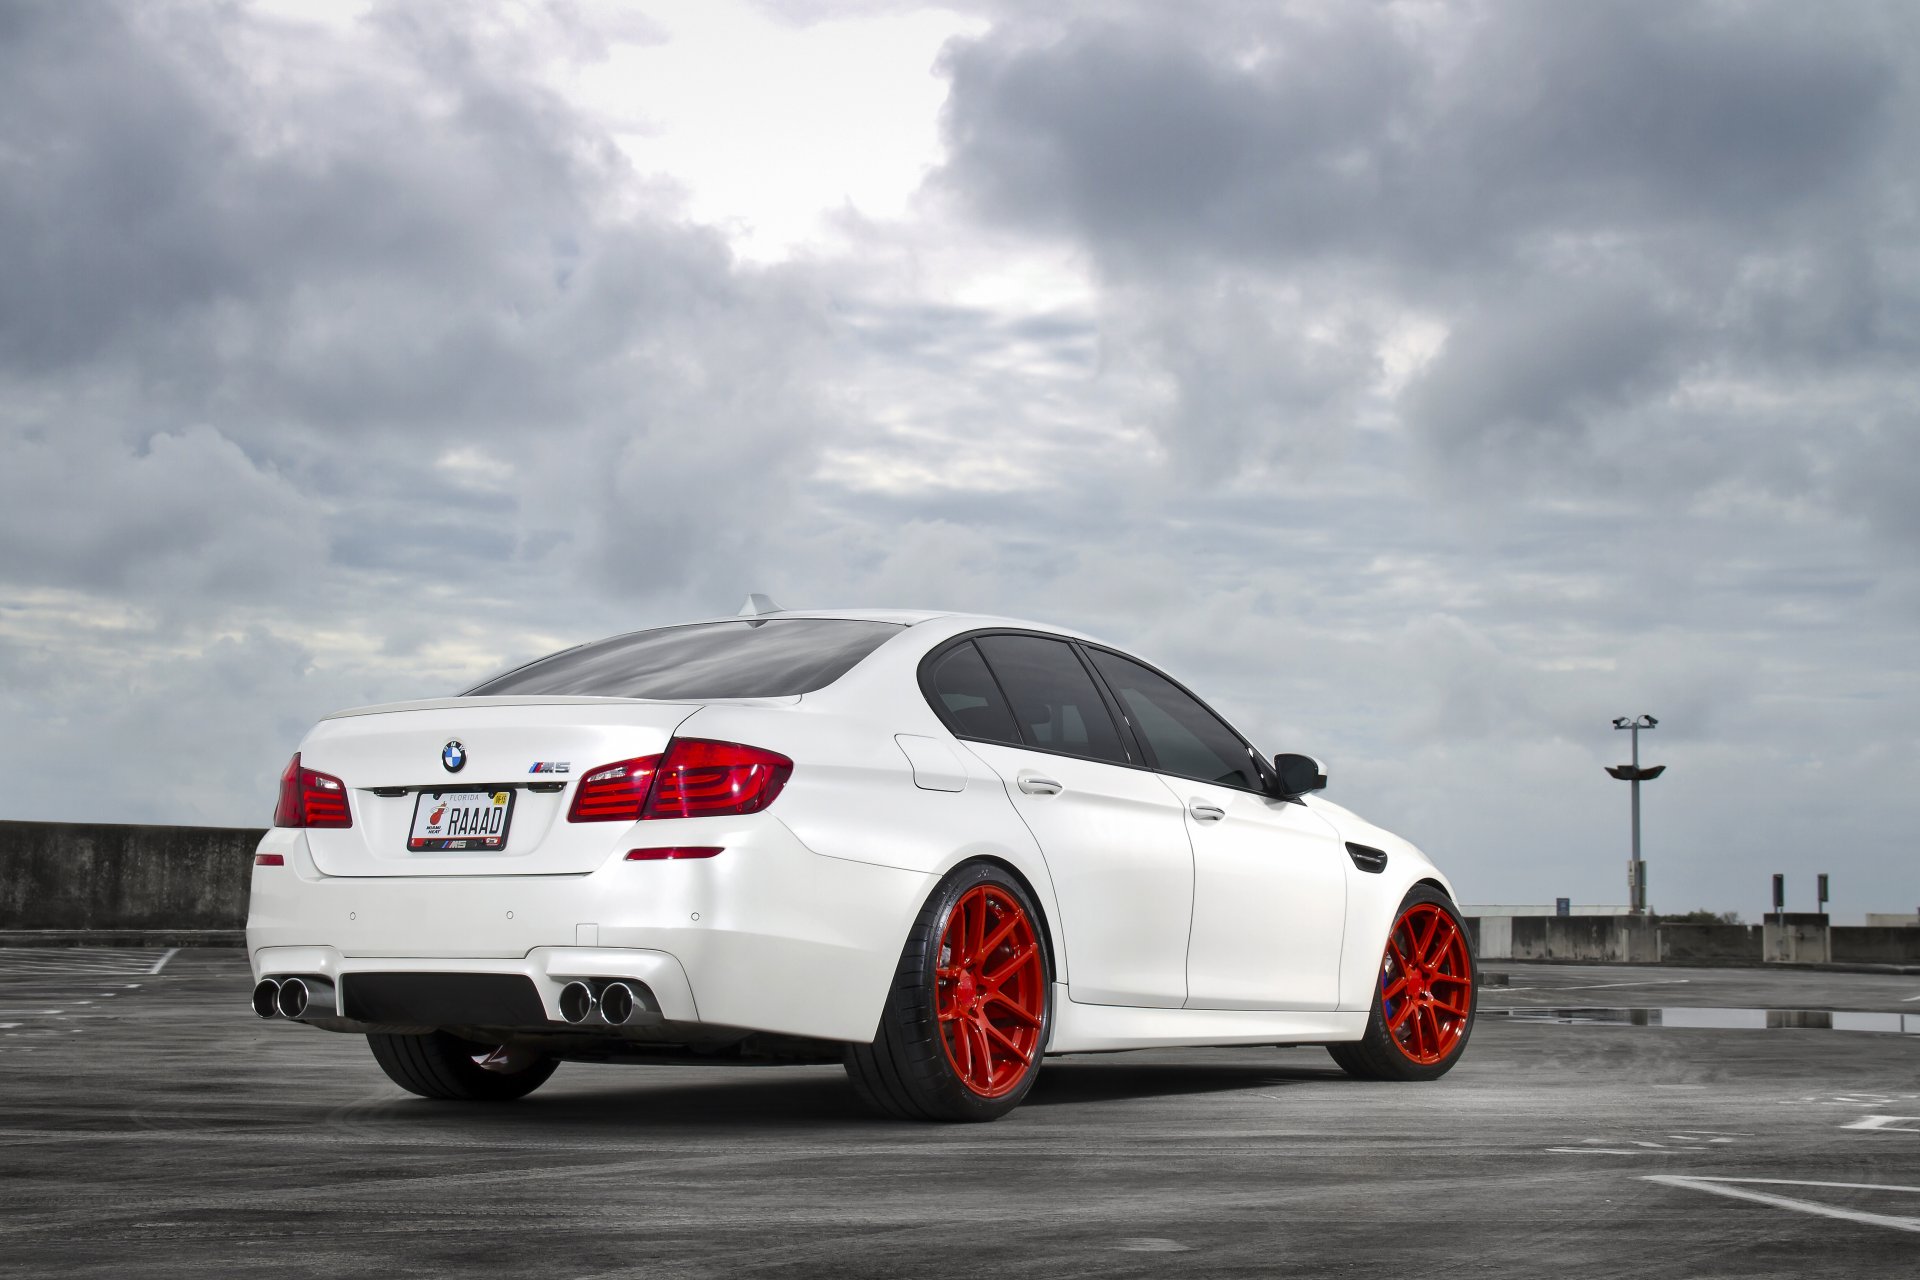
[
  {"x": 1111, "y": 832},
  {"x": 1269, "y": 896}
]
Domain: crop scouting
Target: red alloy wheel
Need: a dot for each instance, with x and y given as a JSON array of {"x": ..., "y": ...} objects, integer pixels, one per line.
[
  {"x": 990, "y": 990},
  {"x": 1426, "y": 984}
]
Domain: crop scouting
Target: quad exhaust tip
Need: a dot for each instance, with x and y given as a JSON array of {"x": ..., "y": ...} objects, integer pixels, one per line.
[
  {"x": 294, "y": 998},
  {"x": 617, "y": 1003},
  {"x": 577, "y": 1002}
]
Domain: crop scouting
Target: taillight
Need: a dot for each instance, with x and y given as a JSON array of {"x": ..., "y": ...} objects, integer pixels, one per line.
[
  {"x": 309, "y": 798},
  {"x": 674, "y": 851},
  {"x": 614, "y": 792},
  {"x": 696, "y": 778},
  {"x": 702, "y": 779}
]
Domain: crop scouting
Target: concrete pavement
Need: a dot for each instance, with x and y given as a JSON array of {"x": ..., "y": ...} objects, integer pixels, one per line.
[{"x": 150, "y": 1125}]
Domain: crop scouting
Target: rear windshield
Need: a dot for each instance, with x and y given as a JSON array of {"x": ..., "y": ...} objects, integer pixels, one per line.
[{"x": 763, "y": 658}]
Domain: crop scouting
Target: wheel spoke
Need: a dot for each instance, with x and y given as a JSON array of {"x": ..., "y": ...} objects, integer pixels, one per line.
[
  {"x": 1031, "y": 1019},
  {"x": 1457, "y": 1012},
  {"x": 1422, "y": 942},
  {"x": 1442, "y": 939},
  {"x": 998, "y": 936},
  {"x": 1400, "y": 1017},
  {"x": 986, "y": 1051},
  {"x": 1025, "y": 1055},
  {"x": 1020, "y": 956},
  {"x": 1394, "y": 988},
  {"x": 980, "y": 931}
]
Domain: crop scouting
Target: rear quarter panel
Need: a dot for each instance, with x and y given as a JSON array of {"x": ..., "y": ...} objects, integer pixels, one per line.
[{"x": 853, "y": 796}]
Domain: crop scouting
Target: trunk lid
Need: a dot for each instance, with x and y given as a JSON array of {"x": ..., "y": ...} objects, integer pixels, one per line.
[{"x": 534, "y": 749}]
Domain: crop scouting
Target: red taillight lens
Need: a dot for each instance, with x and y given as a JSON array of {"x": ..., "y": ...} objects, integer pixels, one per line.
[
  {"x": 269, "y": 859},
  {"x": 674, "y": 851},
  {"x": 614, "y": 792},
  {"x": 702, "y": 779},
  {"x": 694, "y": 779},
  {"x": 309, "y": 798}
]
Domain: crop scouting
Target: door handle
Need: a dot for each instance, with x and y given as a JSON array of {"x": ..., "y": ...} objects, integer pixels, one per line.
[
  {"x": 1204, "y": 812},
  {"x": 1035, "y": 784}
]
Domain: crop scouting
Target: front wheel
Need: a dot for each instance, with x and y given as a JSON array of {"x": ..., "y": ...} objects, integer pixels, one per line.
[
  {"x": 1424, "y": 1002},
  {"x": 443, "y": 1066},
  {"x": 966, "y": 1018}
]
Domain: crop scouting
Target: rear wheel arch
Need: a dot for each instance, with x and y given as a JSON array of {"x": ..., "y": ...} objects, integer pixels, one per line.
[{"x": 1054, "y": 971}]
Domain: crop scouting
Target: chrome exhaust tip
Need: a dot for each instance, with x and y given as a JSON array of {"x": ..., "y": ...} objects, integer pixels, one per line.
[
  {"x": 294, "y": 998},
  {"x": 266, "y": 998},
  {"x": 308, "y": 997},
  {"x": 576, "y": 1002},
  {"x": 617, "y": 1003}
]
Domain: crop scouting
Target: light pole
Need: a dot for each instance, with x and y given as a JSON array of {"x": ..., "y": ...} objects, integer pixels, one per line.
[{"x": 1634, "y": 774}]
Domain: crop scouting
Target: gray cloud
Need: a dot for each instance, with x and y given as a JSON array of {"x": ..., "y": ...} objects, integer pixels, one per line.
[{"x": 1453, "y": 378}]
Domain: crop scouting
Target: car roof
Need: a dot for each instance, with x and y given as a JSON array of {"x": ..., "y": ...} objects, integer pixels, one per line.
[{"x": 906, "y": 618}]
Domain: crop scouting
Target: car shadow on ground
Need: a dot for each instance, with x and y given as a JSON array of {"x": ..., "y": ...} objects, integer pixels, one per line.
[
  {"x": 1079, "y": 1081},
  {"x": 793, "y": 1099}
]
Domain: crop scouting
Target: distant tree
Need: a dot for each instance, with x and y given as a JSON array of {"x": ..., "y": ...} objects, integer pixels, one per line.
[{"x": 1699, "y": 917}]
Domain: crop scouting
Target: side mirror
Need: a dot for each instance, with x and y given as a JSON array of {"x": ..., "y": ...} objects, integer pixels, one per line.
[{"x": 1296, "y": 775}]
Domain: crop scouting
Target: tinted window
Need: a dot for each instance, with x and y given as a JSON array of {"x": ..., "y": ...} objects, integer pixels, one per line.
[
  {"x": 967, "y": 698},
  {"x": 1054, "y": 699},
  {"x": 774, "y": 658},
  {"x": 1184, "y": 737}
]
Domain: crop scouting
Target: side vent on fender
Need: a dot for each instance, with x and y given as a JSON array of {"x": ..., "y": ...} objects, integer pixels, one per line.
[{"x": 1367, "y": 858}]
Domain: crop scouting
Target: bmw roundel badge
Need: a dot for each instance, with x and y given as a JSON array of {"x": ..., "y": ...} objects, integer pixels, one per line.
[{"x": 453, "y": 755}]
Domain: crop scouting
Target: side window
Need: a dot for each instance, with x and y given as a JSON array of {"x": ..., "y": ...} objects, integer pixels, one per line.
[
  {"x": 1185, "y": 738},
  {"x": 1056, "y": 702},
  {"x": 967, "y": 699}
]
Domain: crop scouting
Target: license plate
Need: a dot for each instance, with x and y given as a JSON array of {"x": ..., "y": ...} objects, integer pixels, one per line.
[{"x": 461, "y": 820}]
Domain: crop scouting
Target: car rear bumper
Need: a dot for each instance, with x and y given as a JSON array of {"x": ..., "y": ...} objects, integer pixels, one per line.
[{"x": 767, "y": 936}]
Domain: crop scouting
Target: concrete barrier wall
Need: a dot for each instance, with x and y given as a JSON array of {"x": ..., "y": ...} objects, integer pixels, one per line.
[
  {"x": 1732, "y": 943},
  {"x": 1605, "y": 938},
  {"x": 1796, "y": 937},
  {"x": 100, "y": 876},
  {"x": 1870, "y": 945}
]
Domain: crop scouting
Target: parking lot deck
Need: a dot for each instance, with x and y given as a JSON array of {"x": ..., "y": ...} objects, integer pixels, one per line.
[{"x": 151, "y": 1125}]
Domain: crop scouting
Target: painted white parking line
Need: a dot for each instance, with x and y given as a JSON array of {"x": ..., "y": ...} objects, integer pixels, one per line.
[
  {"x": 1741, "y": 1189},
  {"x": 1601, "y": 986},
  {"x": 1897, "y": 1124},
  {"x": 83, "y": 962}
]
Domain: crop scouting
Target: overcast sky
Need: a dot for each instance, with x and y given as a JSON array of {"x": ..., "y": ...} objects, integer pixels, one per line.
[{"x": 1426, "y": 383}]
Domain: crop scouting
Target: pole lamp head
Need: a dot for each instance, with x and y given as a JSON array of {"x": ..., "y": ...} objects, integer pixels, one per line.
[
  {"x": 1619, "y": 722},
  {"x": 1651, "y": 722}
]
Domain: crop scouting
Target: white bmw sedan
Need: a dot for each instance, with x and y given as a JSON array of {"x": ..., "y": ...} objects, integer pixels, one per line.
[{"x": 935, "y": 847}]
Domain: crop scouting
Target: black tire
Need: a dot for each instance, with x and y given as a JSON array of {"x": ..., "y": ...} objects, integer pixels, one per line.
[
  {"x": 443, "y": 1066},
  {"x": 1380, "y": 1055},
  {"x": 908, "y": 1072}
]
